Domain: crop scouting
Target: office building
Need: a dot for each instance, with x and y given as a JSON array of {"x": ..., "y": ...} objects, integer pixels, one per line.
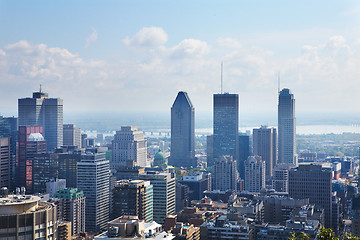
[
  {"x": 226, "y": 125},
  {"x": 225, "y": 174},
  {"x": 45, "y": 168},
  {"x": 31, "y": 142},
  {"x": 129, "y": 144},
  {"x": 40, "y": 110},
  {"x": 264, "y": 145},
  {"x": 26, "y": 217},
  {"x": 71, "y": 135},
  {"x": 244, "y": 153},
  {"x": 197, "y": 182},
  {"x": 93, "y": 180},
  {"x": 68, "y": 167},
  {"x": 182, "y": 132},
  {"x": 133, "y": 197},
  {"x": 181, "y": 197},
  {"x": 163, "y": 194},
  {"x": 280, "y": 180},
  {"x": 5, "y": 161},
  {"x": 313, "y": 182},
  {"x": 287, "y": 128},
  {"x": 255, "y": 169},
  {"x": 54, "y": 185},
  {"x": 9, "y": 129},
  {"x": 71, "y": 205}
]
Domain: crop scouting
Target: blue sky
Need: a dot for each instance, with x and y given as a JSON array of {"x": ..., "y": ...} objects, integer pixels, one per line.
[{"x": 136, "y": 55}]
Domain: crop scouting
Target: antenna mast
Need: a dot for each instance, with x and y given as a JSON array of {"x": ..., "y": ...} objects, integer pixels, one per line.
[
  {"x": 221, "y": 77},
  {"x": 279, "y": 82},
  {"x": 40, "y": 87}
]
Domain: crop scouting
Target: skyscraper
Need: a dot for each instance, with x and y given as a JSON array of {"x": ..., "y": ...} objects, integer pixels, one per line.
[
  {"x": 182, "y": 132},
  {"x": 287, "y": 128},
  {"x": 129, "y": 144},
  {"x": 264, "y": 145},
  {"x": 93, "y": 180},
  {"x": 226, "y": 125},
  {"x": 72, "y": 208},
  {"x": 163, "y": 194},
  {"x": 31, "y": 142},
  {"x": 225, "y": 174},
  {"x": 72, "y": 135},
  {"x": 254, "y": 174},
  {"x": 244, "y": 153},
  {"x": 43, "y": 111},
  {"x": 134, "y": 198},
  {"x": 5, "y": 160}
]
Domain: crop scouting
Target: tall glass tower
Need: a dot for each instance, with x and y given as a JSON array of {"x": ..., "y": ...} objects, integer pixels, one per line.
[
  {"x": 226, "y": 125},
  {"x": 287, "y": 128},
  {"x": 182, "y": 132}
]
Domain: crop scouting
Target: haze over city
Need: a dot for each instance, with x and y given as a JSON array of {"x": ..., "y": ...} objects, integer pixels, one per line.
[{"x": 135, "y": 56}]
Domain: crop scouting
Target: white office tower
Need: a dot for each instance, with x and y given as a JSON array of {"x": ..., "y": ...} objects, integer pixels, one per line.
[
  {"x": 72, "y": 135},
  {"x": 129, "y": 144},
  {"x": 254, "y": 174},
  {"x": 287, "y": 128},
  {"x": 93, "y": 179}
]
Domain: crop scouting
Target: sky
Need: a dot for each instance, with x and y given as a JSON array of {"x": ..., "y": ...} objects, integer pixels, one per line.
[{"x": 136, "y": 55}]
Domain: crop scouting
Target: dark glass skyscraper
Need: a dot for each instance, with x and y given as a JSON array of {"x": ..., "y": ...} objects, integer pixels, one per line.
[
  {"x": 287, "y": 128},
  {"x": 43, "y": 111},
  {"x": 182, "y": 132},
  {"x": 226, "y": 125}
]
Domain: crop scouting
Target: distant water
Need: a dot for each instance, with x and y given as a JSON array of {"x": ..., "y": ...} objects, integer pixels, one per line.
[{"x": 302, "y": 130}]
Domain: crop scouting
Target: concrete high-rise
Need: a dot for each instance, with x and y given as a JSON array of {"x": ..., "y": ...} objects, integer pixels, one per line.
[
  {"x": 163, "y": 194},
  {"x": 226, "y": 125},
  {"x": 43, "y": 111},
  {"x": 313, "y": 182},
  {"x": 133, "y": 198},
  {"x": 129, "y": 144},
  {"x": 5, "y": 161},
  {"x": 225, "y": 174},
  {"x": 254, "y": 174},
  {"x": 93, "y": 179},
  {"x": 71, "y": 135},
  {"x": 72, "y": 208},
  {"x": 182, "y": 132},
  {"x": 264, "y": 145},
  {"x": 287, "y": 128}
]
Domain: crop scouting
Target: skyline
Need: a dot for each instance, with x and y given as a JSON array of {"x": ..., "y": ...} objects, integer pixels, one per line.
[{"x": 105, "y": 55}]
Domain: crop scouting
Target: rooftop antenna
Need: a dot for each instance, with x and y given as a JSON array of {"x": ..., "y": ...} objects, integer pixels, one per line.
[
  {"x": 279, "y": 82},
  {"x": 221, "y": 77},
  {"x": 40, "y": 87}
]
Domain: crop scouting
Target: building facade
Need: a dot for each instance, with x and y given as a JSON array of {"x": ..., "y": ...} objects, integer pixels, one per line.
[
  {"x": 287, "y": 128},
  {"x": 133, "y": 197},
  {"x": 5, "y": 161},
  {"x": 182, "y": 132},
  {"x": 71, "y": 135},
  {"x": 129, "y": 144},
  {"x": 226, "y": 125},
  {"x": 163, "y": 194},
  {"x": 313, "y": 182},
  {"x": 93, "y": 179},
  {"x": 72, "y": 208},
  {"x": 265, "y": 146},
  {"x": 224, "y": 174},
  {"x": 40, "y": 110},
  {"x": 255, "y": 169}
]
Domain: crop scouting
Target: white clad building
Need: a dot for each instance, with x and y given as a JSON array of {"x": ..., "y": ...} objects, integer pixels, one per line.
[{"x": 254, "y": 174}]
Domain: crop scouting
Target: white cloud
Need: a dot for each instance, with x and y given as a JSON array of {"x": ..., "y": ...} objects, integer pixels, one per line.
[
  {"x": 91, "y": 38},
  {"x": 147, "y": 37},
  {"x": 189, "y": 48}
]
